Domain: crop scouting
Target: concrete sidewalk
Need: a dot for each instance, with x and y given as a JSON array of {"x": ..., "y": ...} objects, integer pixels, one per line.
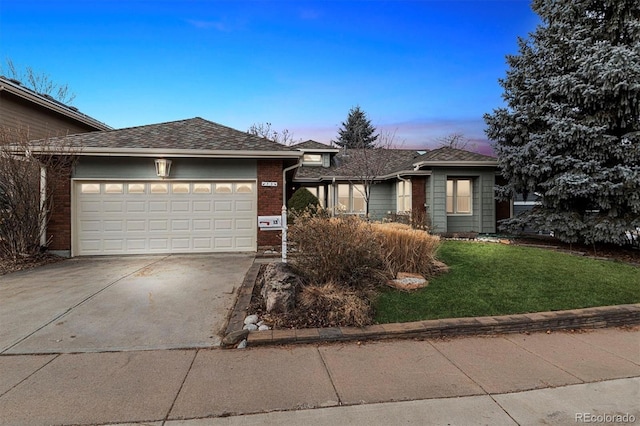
[{"x": 507, "y": 379}]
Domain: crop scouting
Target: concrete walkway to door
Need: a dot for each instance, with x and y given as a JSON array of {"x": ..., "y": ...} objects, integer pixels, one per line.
[{"x": 119, "y": 303}]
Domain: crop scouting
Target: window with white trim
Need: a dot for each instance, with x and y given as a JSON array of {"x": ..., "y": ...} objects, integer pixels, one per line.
[
  {"x": 312, "y": 159},
  {"x": 459, "y": 196},
  {"x": 403, "y": 196},
  {"x": 350, "y": 198}
]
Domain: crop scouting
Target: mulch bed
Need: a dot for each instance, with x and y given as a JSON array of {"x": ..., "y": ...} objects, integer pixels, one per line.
[
  {"x": 314, "y": 318},
  {"x": 7, "y": 266},
  {"x": 604, "y": 251}
]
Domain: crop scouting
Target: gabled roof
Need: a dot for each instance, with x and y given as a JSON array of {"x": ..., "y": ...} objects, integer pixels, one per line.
[
  {"x": 312, "y": 145},
  {"x": 388, "y": 162},
  {"x": 15, "y": 88},
  {"x": 394, "y": 162},
  {"x": 192, "y": 137},
  {"x": 453, "y": 154}
]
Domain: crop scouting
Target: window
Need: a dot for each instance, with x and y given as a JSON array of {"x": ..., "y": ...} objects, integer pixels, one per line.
[
  {"x": 312, "y": 159},
  {"x": 318, "y": 192},
  {"x": 159, "y": 188},
  {"x": 403, "y": 199},
  {"x": 180, "y": 188},
  {"x": 202, "y": 188},
  {"x": 459, "y": 196},
  {"x": 244, "y": 188},
  {"x": 113, "y": 188},
  {"x": 350, "y": 198},
  {"x": 135, "y": 188},
  {"x": 90, "y": 188},
  {"x": 223, "y": 188}
]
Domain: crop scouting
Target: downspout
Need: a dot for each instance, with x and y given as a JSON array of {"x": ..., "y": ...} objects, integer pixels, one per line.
[
  {"x": 43, "y": 205},
  {"x": 284, "y": 208}
]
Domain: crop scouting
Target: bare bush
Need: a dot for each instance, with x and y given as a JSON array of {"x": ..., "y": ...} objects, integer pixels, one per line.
[
  {"x": 338, "y": 306},
  {"x": 25, "y": 205},
  {"x": 406, "y": 249},
  {"x": 339, "y": 249}
]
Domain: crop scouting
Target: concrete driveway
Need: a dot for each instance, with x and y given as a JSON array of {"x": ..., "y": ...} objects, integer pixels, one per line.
[{"x": 119, "y": 303}]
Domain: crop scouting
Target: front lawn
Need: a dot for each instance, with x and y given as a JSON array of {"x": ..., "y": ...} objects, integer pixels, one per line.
[{"x": 496, "y": 279}]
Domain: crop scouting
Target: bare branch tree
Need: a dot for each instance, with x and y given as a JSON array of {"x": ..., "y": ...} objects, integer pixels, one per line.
[
  {"x": 40, "y": 82},
  {"x": 455, "y": 140},
  {"x": 25, "y": 204},
  {"x": 264, "y": 130},
  {"x": 366, "y": 165}
]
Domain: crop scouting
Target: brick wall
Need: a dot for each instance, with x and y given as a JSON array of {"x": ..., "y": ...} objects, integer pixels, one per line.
[
  {"x": 59, "y": 227},
  {"x": 269, "y": 199}
]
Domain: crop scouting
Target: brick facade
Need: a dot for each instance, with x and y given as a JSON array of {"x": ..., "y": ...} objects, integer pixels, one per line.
[
  {"x": 269, "y": 199},
  {"x": 59, "y": 226}
]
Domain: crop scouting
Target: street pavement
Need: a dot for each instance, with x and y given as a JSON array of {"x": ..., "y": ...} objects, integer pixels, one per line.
[{"x": 538, "y": 378}]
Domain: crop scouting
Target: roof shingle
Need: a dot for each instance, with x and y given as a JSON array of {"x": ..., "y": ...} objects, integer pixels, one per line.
[{"x": 192, "y": 134}]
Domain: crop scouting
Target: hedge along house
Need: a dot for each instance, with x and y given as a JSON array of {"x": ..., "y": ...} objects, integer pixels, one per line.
[
  {"x": 190, "y": 186},
  {"x": 452, "y": 189}
]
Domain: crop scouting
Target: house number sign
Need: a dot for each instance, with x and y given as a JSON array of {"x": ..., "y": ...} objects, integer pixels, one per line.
[{"x": 269, "y": 183}]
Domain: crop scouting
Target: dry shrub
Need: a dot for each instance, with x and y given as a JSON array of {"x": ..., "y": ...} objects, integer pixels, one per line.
[
  {"x": 339, "y": 306},
  {"x": 406, "y": 249},
  {"x": 340, "y": 249}
]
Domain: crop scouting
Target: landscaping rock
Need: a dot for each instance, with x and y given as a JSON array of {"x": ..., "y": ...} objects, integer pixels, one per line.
[
  {"x": 251, "y": 319},
  {"x": 408, "y": 281},
  {"x": 250, "y": 327},
  {"x": 439, "y": 268},
  {"x": 264, "y": 327},
  {"x": 234, "y": 337},
  {"x": 242, "y": 344},
  {"x": 279, "y": 285}
]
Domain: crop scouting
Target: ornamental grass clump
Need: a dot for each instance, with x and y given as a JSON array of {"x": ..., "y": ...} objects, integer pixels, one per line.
[
  {"x": 333, "y": 305},
  {"x": 406, "y": 249},
  {"x": 343, "y": 250}
]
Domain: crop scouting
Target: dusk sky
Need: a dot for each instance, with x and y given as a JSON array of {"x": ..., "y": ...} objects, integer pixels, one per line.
[{"x": 424, "y": 69}]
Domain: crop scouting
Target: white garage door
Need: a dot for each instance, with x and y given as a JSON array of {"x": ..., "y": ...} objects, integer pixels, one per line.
[{"x": 164, "y": 217}]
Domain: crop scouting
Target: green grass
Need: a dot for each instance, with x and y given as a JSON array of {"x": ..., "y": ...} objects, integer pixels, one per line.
[{"x": 496, "y": 279}]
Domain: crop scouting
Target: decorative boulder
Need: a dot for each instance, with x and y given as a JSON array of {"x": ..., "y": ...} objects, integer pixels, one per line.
[
  {"x": 279, "y": 285},
  {"x": 408, "y": 281},
  {"x": 439, "y": 268}
]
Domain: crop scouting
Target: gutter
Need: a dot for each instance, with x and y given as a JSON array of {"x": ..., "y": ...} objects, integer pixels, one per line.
[{"x": 177, "y": 153}]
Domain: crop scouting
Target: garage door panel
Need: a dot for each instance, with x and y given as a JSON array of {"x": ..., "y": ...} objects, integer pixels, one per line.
[
  {"x": 244, "y": 224},
  {"x": 164, "y": 217},
  {"x": 202, "y": 225},
  {"x": 137, "y": 225},
  {"x": 180, "y": 224},
  {"x": 159, "y": 206},
  {"x": 136, "y": 207},
  {"x": 90, "y": 226},
  {"x": 244, "y": 206}
]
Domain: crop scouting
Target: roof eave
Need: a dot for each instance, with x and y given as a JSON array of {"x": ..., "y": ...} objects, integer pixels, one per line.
[
  {"x": 456, "y": 164},
  {"x": 202, "y": 153},
  {"x": 44, "y": 102}
]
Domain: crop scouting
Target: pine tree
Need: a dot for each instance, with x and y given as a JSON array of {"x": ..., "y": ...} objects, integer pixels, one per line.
[
  {"x": 571, "y": 129},
  {"x": 357, "y": 131}
]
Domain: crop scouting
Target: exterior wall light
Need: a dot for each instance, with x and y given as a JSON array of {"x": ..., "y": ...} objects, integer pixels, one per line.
[{"x": 163, "y": 167}]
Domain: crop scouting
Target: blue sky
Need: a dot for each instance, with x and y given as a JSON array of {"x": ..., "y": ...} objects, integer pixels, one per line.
[{"x": 421, "y": 69}]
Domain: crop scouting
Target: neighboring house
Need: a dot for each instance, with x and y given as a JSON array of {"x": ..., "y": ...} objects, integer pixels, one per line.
[
  {"x": 186, "y": 186},
  {"x": 452, "y": 188},
  {"x": 40, "y": 116}
]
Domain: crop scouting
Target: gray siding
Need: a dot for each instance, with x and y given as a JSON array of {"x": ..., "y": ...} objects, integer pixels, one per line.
[
  {"x": 383, "y": 200},
  {"x": 181, "y": 168},
  {"x": 483, "y": 217}
]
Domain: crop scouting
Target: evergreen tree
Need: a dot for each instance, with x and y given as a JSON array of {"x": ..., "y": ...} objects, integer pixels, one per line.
[
  {"x": 357, "y": 131},
  {"x": 571, "y": 129}
]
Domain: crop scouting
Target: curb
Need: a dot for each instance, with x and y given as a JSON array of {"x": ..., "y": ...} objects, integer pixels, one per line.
[{"x": 587, "y": 318}]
